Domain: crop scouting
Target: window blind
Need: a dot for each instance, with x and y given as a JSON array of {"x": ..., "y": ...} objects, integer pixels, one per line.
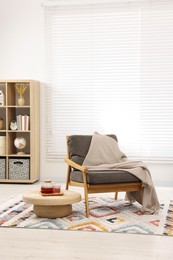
[{"x": 110, "y": 70}]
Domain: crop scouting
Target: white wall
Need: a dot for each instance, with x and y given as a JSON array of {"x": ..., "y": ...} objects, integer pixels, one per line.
[{"x": 22, "y": 56}]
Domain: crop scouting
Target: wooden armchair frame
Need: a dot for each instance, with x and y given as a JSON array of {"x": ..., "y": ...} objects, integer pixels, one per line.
[{"x": 96, "y": 188}]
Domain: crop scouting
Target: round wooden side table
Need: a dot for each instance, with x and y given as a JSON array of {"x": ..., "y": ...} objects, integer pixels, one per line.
[{"x": 52, "y": 206}]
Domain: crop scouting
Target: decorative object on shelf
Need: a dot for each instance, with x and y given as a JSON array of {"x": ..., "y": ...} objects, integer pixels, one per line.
[
  {"x": 1, "y": 98},
  {"x": 2, "y": 145},
  {"x": 13, "y": 125},
  {"x": 1, "y": 123},
  {"x": 20, "y": 143},
  {"x": 21, "y": 88}
]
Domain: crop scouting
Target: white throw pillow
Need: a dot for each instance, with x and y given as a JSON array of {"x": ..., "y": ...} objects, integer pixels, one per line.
[{"x": 103, "y": 150}]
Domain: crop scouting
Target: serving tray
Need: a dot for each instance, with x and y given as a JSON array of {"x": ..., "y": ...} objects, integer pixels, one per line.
[{"x": 52, "y": 194}]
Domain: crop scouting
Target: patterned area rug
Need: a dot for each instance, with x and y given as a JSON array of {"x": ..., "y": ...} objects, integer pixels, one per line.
[{"x": 106, "y": 215}]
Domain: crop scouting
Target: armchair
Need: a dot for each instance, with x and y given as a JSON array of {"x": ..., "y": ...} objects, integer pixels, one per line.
[{"x": 95, "y": 182}]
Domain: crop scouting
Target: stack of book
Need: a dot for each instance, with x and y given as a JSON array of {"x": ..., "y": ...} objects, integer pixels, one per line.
[{"x": 23, "y": 123}]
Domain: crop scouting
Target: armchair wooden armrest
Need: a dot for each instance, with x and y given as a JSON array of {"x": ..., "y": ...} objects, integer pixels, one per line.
[{"x": 75, "y": 165}]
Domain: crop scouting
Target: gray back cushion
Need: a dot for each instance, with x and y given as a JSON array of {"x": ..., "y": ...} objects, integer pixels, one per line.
[{"x": 78, "y": 146}]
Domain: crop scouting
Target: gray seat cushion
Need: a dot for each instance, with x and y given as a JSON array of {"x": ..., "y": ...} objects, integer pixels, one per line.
[{"x": 104, "y": 177}]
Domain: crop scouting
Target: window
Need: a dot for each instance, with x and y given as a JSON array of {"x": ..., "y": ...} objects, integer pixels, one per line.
[{"x": 110, "y": 70}]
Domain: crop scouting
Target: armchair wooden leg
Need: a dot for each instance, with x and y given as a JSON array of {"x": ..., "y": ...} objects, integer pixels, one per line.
[
  {"x": 116, "y": 195},
  {"x": 86, "y": 204},
  {"x": 86, "y": 195},
  {"x": 68, "y": 177}
]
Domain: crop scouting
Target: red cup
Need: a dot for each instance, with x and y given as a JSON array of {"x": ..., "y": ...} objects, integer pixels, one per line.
[{"x": 57, "y": 188}]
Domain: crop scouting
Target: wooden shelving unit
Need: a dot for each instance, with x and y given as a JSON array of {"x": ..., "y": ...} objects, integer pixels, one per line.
[{"x": 20, "y": 164}]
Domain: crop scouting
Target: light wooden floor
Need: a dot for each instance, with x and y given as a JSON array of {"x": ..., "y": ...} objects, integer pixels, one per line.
[{"x": 37, "y": 244}]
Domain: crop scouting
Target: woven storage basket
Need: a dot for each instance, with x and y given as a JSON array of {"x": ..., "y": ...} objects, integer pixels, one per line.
[{"x": 2, "y": 168}]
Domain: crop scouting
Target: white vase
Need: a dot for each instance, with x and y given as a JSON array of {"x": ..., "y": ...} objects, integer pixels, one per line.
[{"x": 21, "y": 101}]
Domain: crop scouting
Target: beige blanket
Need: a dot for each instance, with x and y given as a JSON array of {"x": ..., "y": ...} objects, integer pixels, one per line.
[{"x": 104, "y": 154}]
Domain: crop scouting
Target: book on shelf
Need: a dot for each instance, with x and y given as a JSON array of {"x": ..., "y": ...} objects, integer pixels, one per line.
[
  {"x": 27, "y": 122},
  {"x": 23, "y": 122},
  {"x": 19, "y": 121}
]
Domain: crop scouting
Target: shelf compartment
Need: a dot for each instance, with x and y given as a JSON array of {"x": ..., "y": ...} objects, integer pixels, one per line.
[
  {"x": 14, "y": 112},
  {"x": 12, "y": 148},
  {"x": 13, "y": 96}
]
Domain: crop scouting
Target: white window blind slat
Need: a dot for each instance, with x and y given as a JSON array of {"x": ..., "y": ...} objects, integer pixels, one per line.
[{"x": 110, "y": 70}]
